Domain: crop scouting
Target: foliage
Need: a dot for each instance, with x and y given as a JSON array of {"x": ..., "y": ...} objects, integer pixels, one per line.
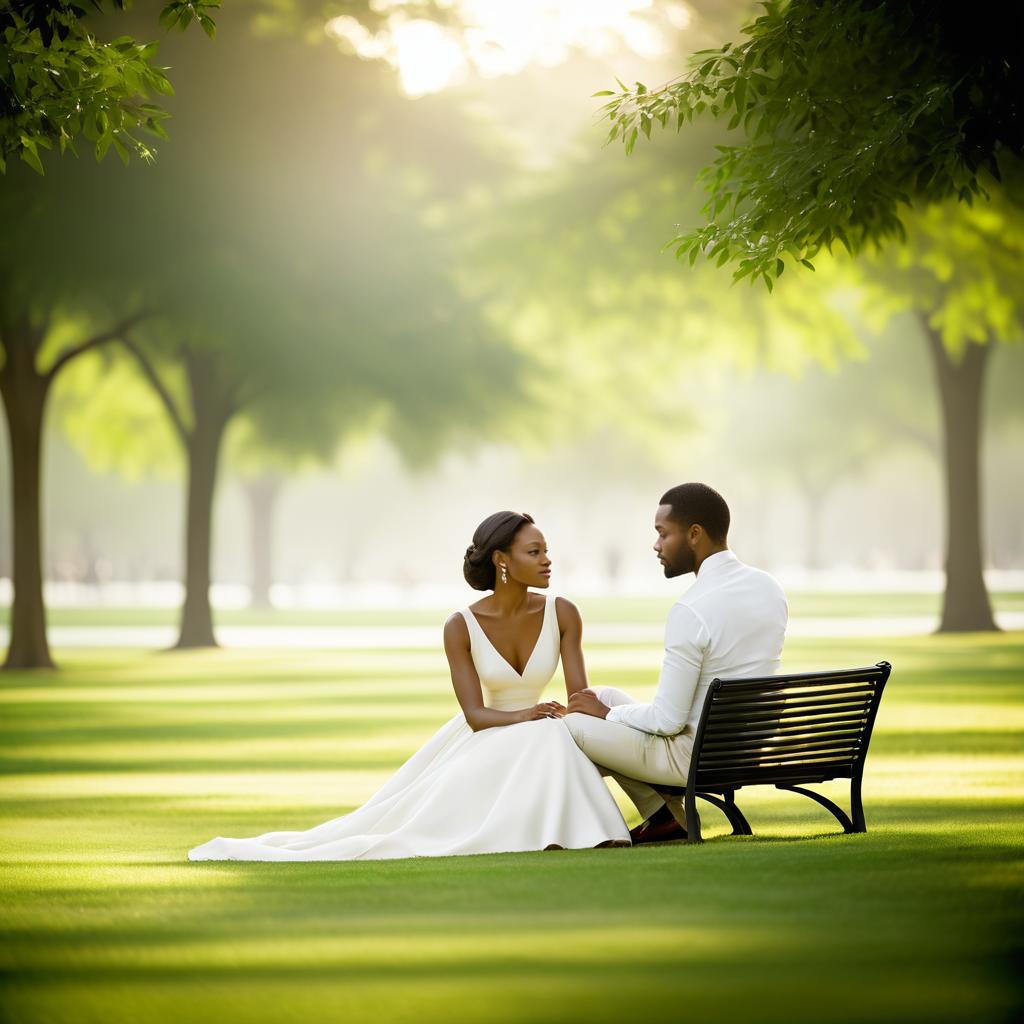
[
  {"x": 574, "y": 274},
  {"x": 329, "y": 302},
  {"x": 849, "y": 112},
  {"x": 960, "y": 267},
  {"x": 58, "y": 82}
]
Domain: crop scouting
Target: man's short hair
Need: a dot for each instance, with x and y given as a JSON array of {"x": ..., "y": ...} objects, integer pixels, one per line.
[{"x": 698, "y": 503}]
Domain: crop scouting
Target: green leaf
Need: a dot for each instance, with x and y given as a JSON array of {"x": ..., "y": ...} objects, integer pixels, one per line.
[
  {"x": 31, "y": 157},
  {"x": 122, "y": 150},
  {"x": 779, "y": 267}
]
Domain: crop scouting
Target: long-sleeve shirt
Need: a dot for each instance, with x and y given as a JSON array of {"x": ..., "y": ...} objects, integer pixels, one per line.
[{"x": 730, "y": 623}]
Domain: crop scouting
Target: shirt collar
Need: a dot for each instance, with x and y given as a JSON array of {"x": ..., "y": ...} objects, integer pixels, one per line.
[{"x": 716, "y": 562}]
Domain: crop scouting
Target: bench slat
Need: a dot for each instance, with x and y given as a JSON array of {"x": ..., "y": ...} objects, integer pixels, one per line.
[
  {"x": 820, "y": 771},
  {"x": 832, "y": 704},
  {"x": 783, "y": 719},
  {"x": 769, "y": 723},
  {"x": 803, "y": 720},
  {"x": 777, "y": 753},
  {"x": 809, "y": 680},
  {"x": 725, "y": 697},
  {"x": 778, "y": 741}
]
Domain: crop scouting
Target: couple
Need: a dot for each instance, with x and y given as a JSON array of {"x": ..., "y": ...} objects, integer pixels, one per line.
[{"x": 510, "y": 774}]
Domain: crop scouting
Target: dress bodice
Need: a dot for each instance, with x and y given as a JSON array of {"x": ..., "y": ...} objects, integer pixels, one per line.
[{"x": 504, "y": 689}]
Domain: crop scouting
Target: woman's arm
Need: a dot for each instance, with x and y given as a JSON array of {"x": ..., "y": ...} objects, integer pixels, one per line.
[
  {"x": 570, "y": 625},
  {"x": 467, "y": 684}
]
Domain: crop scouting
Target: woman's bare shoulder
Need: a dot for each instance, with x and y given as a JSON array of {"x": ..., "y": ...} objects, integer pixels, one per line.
[
  {"x": 568, "y": 614},
  {"x": 455, "y": 628}
]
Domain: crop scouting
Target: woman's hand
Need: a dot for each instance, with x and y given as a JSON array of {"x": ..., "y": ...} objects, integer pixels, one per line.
[{"x": 549, "y": 709}]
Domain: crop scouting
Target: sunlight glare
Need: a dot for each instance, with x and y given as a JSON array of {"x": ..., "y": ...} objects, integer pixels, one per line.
[{"x": 499, "y": 38}]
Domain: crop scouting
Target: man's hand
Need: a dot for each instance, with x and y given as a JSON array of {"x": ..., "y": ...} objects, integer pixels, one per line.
[{"x": 586, "y": 702}]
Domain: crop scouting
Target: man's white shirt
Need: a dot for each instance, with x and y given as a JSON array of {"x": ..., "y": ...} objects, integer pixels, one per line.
[{"x": 730, "y": 623}]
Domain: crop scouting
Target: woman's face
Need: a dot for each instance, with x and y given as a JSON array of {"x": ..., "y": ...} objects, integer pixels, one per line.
[{"x": 527, "y": 560}]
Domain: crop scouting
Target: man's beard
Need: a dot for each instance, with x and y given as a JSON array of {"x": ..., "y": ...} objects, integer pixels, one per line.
[{"x": 678, "y": 568}]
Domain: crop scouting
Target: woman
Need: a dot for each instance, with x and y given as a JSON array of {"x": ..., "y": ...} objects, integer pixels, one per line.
[{"x": 502, "y": 775}]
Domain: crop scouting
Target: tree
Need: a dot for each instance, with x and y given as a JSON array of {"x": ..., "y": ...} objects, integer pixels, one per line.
[
  {"x": 310, "y": 310},
  {"x": 57, "y": 82},
  {"x": 930, "y": 116},
  {"x": 236, "y": 265},
  {"x": 960, "y": 275},
  {"x": 31, "y": 362}
]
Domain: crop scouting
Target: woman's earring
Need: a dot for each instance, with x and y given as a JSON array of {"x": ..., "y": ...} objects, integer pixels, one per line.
[{"x": 504, "y": 575}]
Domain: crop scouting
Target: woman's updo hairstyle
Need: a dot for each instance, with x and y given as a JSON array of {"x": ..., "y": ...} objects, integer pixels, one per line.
[{"x": 495, "y": 533}]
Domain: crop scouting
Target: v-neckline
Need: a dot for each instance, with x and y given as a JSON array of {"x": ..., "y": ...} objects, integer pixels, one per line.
[{"x": 536, "y": 643}]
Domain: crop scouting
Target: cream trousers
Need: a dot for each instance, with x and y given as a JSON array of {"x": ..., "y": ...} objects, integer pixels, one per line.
[{"x": 631, "y": 757}]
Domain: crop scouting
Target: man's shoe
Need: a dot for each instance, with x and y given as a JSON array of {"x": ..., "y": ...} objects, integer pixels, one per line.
[{"x": 655, "y": 831}]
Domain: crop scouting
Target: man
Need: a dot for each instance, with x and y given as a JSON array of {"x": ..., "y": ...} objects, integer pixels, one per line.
[{"x": 731, "y": 622}]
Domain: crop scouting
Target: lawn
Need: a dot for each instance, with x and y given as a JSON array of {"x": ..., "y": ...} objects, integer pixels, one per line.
[
  {"x": 813, "y": 604},
  {"x": 119, "y": 763}
]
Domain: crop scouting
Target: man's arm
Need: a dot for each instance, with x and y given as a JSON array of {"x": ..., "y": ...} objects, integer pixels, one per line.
[{"x": 686, "y": 641}]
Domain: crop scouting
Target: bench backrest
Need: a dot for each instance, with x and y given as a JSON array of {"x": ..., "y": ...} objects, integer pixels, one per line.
[{"x": 786, "y": 728}]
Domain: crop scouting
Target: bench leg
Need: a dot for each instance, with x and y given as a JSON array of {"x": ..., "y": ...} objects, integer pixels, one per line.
[
  {"x": 837, "y": 811},
  {"x": 857, "y": 806},
  {"x": 692, "y": 818},
  {"x": 727, "y": 805}
]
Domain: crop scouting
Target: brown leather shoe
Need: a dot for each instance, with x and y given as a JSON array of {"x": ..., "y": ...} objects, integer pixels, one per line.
[{"x": 654, "y": 831}]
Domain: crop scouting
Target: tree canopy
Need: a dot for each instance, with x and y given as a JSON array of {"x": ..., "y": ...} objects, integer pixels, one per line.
[
  {"x": 848, "y": 112},
  {"x": 59, "y": 82}
]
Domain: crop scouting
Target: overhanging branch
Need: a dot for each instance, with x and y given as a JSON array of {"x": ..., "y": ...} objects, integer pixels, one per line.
[
  {"x": 117, "y": 331},
  {"x": 159, "y": 387}
]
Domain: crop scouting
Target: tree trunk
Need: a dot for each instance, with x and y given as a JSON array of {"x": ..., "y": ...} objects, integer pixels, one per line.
[
  {"x": 212, "y": 412},
  {"x": 966, "y": 606},
  {"x": 262, "y": 492},
  {"x": 23, "y": 390},
  {"x": 24, "y": 398}
]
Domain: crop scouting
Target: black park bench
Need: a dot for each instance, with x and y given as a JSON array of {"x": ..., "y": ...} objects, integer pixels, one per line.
[{"x": 784, "y": 730}]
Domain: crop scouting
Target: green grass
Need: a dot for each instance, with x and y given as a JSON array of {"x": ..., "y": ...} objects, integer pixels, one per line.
[
  {"x": 111, "y": 769},
  {"x": 594, "y": 609}
]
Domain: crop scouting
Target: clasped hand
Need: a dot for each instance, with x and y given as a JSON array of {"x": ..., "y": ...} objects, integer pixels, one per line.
[
  {"x": 587, "y": 702},
  {"x": 584, "y": 702},
  {"x": 549, "y": 709}
]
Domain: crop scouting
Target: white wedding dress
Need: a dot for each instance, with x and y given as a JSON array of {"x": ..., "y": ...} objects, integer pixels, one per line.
[{"x": 507, "y": 788}]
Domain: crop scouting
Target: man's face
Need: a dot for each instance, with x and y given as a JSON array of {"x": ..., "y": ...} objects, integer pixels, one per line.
[{"x": 672, "y": 547}]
